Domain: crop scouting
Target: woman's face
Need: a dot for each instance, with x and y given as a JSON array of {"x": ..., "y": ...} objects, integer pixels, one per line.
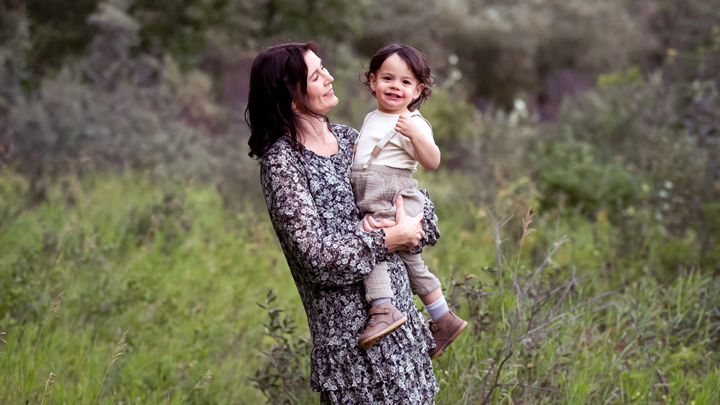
[{"x": 320, "y": 95}]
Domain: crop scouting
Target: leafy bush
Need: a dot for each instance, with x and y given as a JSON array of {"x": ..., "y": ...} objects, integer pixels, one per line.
[
  {"x": 568, "y": 174},
  {"x": 114, "y": 110},
  {"x": 286, "y": 374}
]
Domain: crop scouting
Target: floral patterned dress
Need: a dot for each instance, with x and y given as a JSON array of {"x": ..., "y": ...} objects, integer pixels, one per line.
[{"x": 312, "y": 208}]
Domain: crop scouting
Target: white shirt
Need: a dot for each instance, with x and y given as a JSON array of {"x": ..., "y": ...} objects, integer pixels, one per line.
[{"x": 398, "y": 152}]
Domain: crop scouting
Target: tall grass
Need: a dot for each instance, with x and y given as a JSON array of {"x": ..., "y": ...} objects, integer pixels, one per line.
[
  {"x": 168, "y": 263},
  {"x": 553, "y": 320}
]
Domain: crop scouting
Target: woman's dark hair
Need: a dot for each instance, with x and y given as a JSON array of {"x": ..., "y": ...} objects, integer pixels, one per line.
[
  {"x": 277, "y": 74},
  {"x": 415, "y": 61}
]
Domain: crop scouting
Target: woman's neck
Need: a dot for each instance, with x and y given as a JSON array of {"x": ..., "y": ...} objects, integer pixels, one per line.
[
  {"x": 316, "y": 136},
  {"x": 310, "y": 127}
]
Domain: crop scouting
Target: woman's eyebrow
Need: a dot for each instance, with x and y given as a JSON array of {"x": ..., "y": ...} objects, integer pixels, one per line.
[{"x": 316, "y": 70}]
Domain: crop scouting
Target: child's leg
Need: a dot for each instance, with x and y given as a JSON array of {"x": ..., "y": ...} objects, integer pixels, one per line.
[
  {"x": 424, "y": 284},
  {"x": 383, "y": 316},
  {"x": 377, "y": 285},
  {"x": 445, "y": 325},
  {"x": 431, "y": 297}
]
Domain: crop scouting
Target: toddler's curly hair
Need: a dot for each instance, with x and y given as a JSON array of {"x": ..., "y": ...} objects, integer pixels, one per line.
[{"x": 415, "y": 61}]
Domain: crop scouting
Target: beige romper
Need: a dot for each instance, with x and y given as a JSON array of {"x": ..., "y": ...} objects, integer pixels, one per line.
[{"x": 376, "y": 188}]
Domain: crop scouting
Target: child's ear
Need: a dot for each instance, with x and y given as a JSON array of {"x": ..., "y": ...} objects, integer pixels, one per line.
[
  {"x": 418, "y": 90},
  {"x": 373, "y": 81}
]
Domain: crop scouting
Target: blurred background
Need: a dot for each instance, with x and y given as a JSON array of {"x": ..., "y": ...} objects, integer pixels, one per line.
[{"x": 128, "y": 201}]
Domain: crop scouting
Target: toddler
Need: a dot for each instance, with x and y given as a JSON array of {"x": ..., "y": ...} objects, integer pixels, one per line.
[{"x": 392, "y": 140}]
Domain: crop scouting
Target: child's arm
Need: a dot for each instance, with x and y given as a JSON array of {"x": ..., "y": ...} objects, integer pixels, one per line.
[{"x": 426, "y": 152}]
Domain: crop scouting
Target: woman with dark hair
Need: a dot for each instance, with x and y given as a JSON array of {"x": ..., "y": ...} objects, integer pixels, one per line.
[{"x": 305, "y": 176}]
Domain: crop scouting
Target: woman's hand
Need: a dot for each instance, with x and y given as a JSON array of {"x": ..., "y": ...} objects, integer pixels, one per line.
[{"x": 406, "y": 233}]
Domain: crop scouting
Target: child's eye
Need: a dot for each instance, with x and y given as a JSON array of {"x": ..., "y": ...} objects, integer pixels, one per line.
[{"x": 406, "y": 82}]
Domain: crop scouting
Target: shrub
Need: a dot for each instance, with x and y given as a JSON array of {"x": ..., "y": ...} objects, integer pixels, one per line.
[{"x": 285, "y": 377}]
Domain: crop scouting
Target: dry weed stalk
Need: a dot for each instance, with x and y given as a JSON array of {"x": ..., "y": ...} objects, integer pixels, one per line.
[
  {"x": 116, "y": 356},
  {"x": 48, "y": 386},
  {"x": 55, "y": 306},
  {"x": 531, "y": 297},
  {"x": 51, "y": 313},
  {"x": 496, "y": 225},
  {"x": 3, "y": 342},
  {"x": 202, "y": 384}
]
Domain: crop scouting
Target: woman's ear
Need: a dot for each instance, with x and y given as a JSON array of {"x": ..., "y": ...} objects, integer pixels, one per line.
[
  {"x": 373, "y": 81},
  {"x": 418, "y": 90}
]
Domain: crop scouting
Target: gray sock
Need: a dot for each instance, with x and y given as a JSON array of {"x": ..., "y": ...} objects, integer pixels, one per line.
[
  {"x": 437, "y": 308},
  {"x": 378, "y": 301}
]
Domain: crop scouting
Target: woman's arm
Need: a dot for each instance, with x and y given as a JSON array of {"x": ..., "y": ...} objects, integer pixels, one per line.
[{"x": 328, "y": 258}]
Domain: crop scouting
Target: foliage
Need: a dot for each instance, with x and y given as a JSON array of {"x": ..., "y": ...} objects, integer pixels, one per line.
[
  {"x": 327, "y": 21},
  {"x": 124, "y": 182},
  {"x": 62, "y": 32},
  {"x": 58, "y": 30},
  {"x": 579, "y": 181},
  {"x": 284, "y": 377},
  {"x": 505, "y": 48},
  {"x": 115, "y": 110},
  {"x": 168, "y": 263},
  {"x": 126, "y": 257},
  {"x": 179, "y": 27}
]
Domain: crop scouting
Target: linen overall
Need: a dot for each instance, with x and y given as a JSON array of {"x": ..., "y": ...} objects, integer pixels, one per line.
[{"x": 376, "y": 188}]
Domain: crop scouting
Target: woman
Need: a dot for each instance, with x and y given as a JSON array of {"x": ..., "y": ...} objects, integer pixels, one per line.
[{"x": 305, "y": 176}]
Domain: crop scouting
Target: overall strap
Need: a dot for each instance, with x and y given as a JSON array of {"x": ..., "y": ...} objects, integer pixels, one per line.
[
  {"x": 367, "y": 117},
  {"x": 385, "y": 139},
  {"x": 378, "y": 147}
]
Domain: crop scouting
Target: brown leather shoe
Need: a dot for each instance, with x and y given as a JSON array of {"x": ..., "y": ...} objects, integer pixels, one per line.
[
  {"x": 446, "y": 329},
  {"x": 384, "y": 319}
]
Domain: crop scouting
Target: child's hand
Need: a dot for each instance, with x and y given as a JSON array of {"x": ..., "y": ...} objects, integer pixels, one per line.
[
  {"x": 369, "y": 223},
  {"x": 407, "y": 127}
]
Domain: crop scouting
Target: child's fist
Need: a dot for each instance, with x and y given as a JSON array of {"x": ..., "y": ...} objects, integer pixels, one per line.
[{"x": 407, "y": 127}]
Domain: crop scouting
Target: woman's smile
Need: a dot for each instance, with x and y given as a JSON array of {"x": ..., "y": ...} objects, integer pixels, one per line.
[{"x": 320, "y": 95}]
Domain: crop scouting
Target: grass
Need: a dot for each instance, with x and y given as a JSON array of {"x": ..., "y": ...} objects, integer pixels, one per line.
[
  {"x": 168, "y": 272},
  {"x": 186, "y": 297}
]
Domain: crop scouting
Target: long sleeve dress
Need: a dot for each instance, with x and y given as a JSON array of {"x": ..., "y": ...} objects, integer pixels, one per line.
[{"x": 312, "y": 208}]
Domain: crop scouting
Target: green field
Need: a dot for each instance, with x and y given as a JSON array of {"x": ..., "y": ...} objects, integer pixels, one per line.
[
  {"x": 578, "y": 197},
  {"x": 166, "y": 263}
]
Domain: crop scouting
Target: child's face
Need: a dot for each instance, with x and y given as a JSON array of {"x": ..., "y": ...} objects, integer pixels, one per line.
[{"x": 395, "y": 86}]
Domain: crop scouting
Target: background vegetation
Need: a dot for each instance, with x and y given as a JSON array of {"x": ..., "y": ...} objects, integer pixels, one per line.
[{"x": 134, "y": 242}]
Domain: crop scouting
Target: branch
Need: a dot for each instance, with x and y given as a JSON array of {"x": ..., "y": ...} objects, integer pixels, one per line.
[
  {"x": 528, "y": 386},
  {"x": 545, "y": 262},
  {"x": 497, "y": 377},
  {"x": 649, "y": 357}
]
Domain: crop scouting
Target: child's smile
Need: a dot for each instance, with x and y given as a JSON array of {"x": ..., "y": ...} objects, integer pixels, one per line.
[{"x": 395, "y": 86}]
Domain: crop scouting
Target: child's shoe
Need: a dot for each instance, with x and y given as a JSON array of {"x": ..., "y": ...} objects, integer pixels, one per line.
[
  {"x": 384, "y": 319},
  {"x": 446, "y": 329}
]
